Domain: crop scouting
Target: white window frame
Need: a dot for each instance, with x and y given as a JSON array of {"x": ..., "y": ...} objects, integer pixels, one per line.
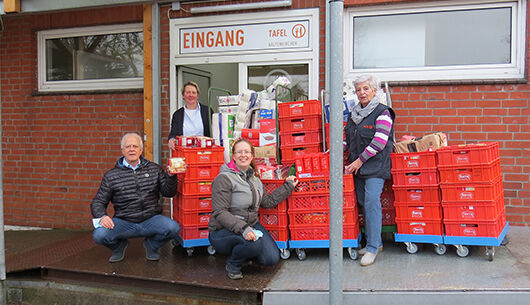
[
  {"x": 83, "y": 85},
  {"x": 513, "y": 70}
]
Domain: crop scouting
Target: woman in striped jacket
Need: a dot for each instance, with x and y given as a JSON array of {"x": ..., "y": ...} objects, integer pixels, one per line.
[{"x": 369, "y": 136}]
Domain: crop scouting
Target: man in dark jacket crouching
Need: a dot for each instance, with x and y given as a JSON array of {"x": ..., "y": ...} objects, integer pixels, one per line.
[{"x": 133, "y": 186}]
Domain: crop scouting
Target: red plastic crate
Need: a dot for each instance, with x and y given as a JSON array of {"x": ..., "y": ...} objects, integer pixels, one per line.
[
  {"x": 419, "y": 227},
  {"x": 478, "y": 210},
  {"x": 270, "y": 186},
  {"x": 193, "y": 218},
  {"x": 388, "y": 217},
  {"x": 201, "y": 172},
  {"x": 321, "y": 185},
  {"x": 191, "y": 203},
  {"x": 301, "y": 137},
  {"x": 278, "y": 234},
  {"x": 472, "y": 191},
  {"x": 290, "y": 152},
  {"x": 270, "y": 218},
  {"x": 470, "y": 154},
  {"x": 299, "y": 108},
  {"x": 425, "y": 193},
  {"x": 470, "y": 173},
  {"x": 199, "y": 155},
  {"x": 410, "y": 177},
  {"x": 419, "y": 211},
  {"x": 309, "y": 201},
  {"x": 195, "y": 187},
  {"x": 193, "y": 232},
  {"x": 319, "y": 217},
  {"x": 413, "y": 160},
  {"x": 300, "y": 123},
  {"x": 322, "y": 232},
  {"x": 475, "y": 228}
]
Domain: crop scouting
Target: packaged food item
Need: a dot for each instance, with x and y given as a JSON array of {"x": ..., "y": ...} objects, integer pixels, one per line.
[
  {"x": 184, "y": 141},
  {"x": 177, "y": 165},
  {"x": 428, "y": 142},
  {"x": 202, "y": 141}
]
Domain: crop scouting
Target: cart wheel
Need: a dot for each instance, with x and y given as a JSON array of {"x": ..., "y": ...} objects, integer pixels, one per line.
[
  {"x": 301, "y": 254},
  {"x": 285, "y": 253},
  {"x": 211, "y": 250},
  {"x": 189, "y": 251},
  {"x": 490, "y": 253},
  {"x": 462, "y": 251},
  {"x": 411, "y": 247},
  {"x": 353, "y": 253},
  {"x": 440, "y": 249}
]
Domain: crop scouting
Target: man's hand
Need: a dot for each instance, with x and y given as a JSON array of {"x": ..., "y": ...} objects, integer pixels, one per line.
[
  {"x": 106, "y": 222},
  {"x": 171, "y": 143}
]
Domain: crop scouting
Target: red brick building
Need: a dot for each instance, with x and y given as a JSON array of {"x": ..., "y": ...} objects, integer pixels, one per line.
[{"x": 60, "y": 132}]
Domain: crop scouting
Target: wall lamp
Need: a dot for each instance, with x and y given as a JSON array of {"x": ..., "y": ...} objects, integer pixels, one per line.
[{"x": 240, "y": 7}]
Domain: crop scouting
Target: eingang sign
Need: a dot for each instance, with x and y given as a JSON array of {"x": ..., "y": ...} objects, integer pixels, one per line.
[{"x": 259, "y": 36}]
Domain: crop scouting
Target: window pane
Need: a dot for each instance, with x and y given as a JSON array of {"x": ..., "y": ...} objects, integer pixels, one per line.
[
  {"x": 261, "y": 77},
  {"x": 95, "y": 57},
  {"x": 464, "y": 37}
]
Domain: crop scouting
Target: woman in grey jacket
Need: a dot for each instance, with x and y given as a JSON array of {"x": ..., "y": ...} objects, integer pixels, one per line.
[{"x": 237, "y": 194}]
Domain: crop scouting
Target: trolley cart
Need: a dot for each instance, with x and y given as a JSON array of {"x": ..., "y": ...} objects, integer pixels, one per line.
[
  {"x": 300, "y": 245},
  {"x": 411, "y": 240},
  {"x": 190, "y": 244},
  {"x": 462, "y": 242}
]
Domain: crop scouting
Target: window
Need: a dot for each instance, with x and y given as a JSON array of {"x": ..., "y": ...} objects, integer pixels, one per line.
[
  {"x": 437, "y": 41},
  {"x": 95, "y": 58}
]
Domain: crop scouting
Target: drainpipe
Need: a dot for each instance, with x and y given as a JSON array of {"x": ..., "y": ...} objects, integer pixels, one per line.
[
  {"x": 335, "y": 155},
  {"x": 155, "y": 61},
  {"x": 3, "y": 297}
]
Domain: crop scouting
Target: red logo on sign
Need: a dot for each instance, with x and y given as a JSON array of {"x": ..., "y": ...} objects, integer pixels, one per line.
[{"x": 298, "y": 30}]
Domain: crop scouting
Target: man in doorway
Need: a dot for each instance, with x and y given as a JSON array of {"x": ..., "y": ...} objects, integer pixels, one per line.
[{"x": 133, "y": 186}]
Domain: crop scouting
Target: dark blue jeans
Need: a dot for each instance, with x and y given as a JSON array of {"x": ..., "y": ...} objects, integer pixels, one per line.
[
  {"x": 157, "y": 230},
  {"x": 264, "y": 251}
]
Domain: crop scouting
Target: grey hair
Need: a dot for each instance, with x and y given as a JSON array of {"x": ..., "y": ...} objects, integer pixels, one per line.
[
  {"x": 134, "y": 134},
  {"x": 372, "y": 81}
]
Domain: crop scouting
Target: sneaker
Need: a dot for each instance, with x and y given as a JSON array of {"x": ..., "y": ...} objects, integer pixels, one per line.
[
  {"x": 119, "y": 253},
  {"x": 368, "y": 259},
  {"x": 150, "y": 253},
  {"x": 363, "y": 250},
  {"x": 233, "y": 275}
]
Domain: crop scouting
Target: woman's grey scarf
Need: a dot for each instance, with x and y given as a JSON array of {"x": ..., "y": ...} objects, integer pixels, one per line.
[{"x": 358, "y": 113}]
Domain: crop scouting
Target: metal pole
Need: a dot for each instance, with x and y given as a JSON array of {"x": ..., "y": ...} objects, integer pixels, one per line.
[
  {"x": 336, "y": 155},
  {"x": 326, "y": 85},
  {"x": 155, "y": 53}
]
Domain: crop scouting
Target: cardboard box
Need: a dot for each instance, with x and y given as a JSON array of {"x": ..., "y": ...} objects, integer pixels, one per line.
[
  {"x": 265, "y": 151},
  {"x": 428, "y": 142}
]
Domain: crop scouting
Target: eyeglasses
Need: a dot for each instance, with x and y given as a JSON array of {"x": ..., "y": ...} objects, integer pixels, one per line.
[{"x": 243, "y": 152}]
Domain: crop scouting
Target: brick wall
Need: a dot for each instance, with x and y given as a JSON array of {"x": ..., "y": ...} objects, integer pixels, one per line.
[{"x": 56, "y": 147}]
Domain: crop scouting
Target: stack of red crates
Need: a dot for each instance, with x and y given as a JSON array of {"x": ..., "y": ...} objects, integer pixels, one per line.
[
  {"x": 275, "y": 219},
  {"x": 417, "y": 193},
  {"x": 387, "y": 205},
  {"x": 472, "y": 192},
  {"x": 192, "y": 205},
  {"x": 308, "y": 210},
  {"x": 300, "y": 129}
]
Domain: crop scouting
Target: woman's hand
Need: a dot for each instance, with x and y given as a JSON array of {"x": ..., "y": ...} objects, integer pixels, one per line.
[
  {"x": 171, "y": 143},
  {"x": 293, "y": 180},
  {"x": 250, "y": 235},
  {"x": 354, "y": 166}
]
